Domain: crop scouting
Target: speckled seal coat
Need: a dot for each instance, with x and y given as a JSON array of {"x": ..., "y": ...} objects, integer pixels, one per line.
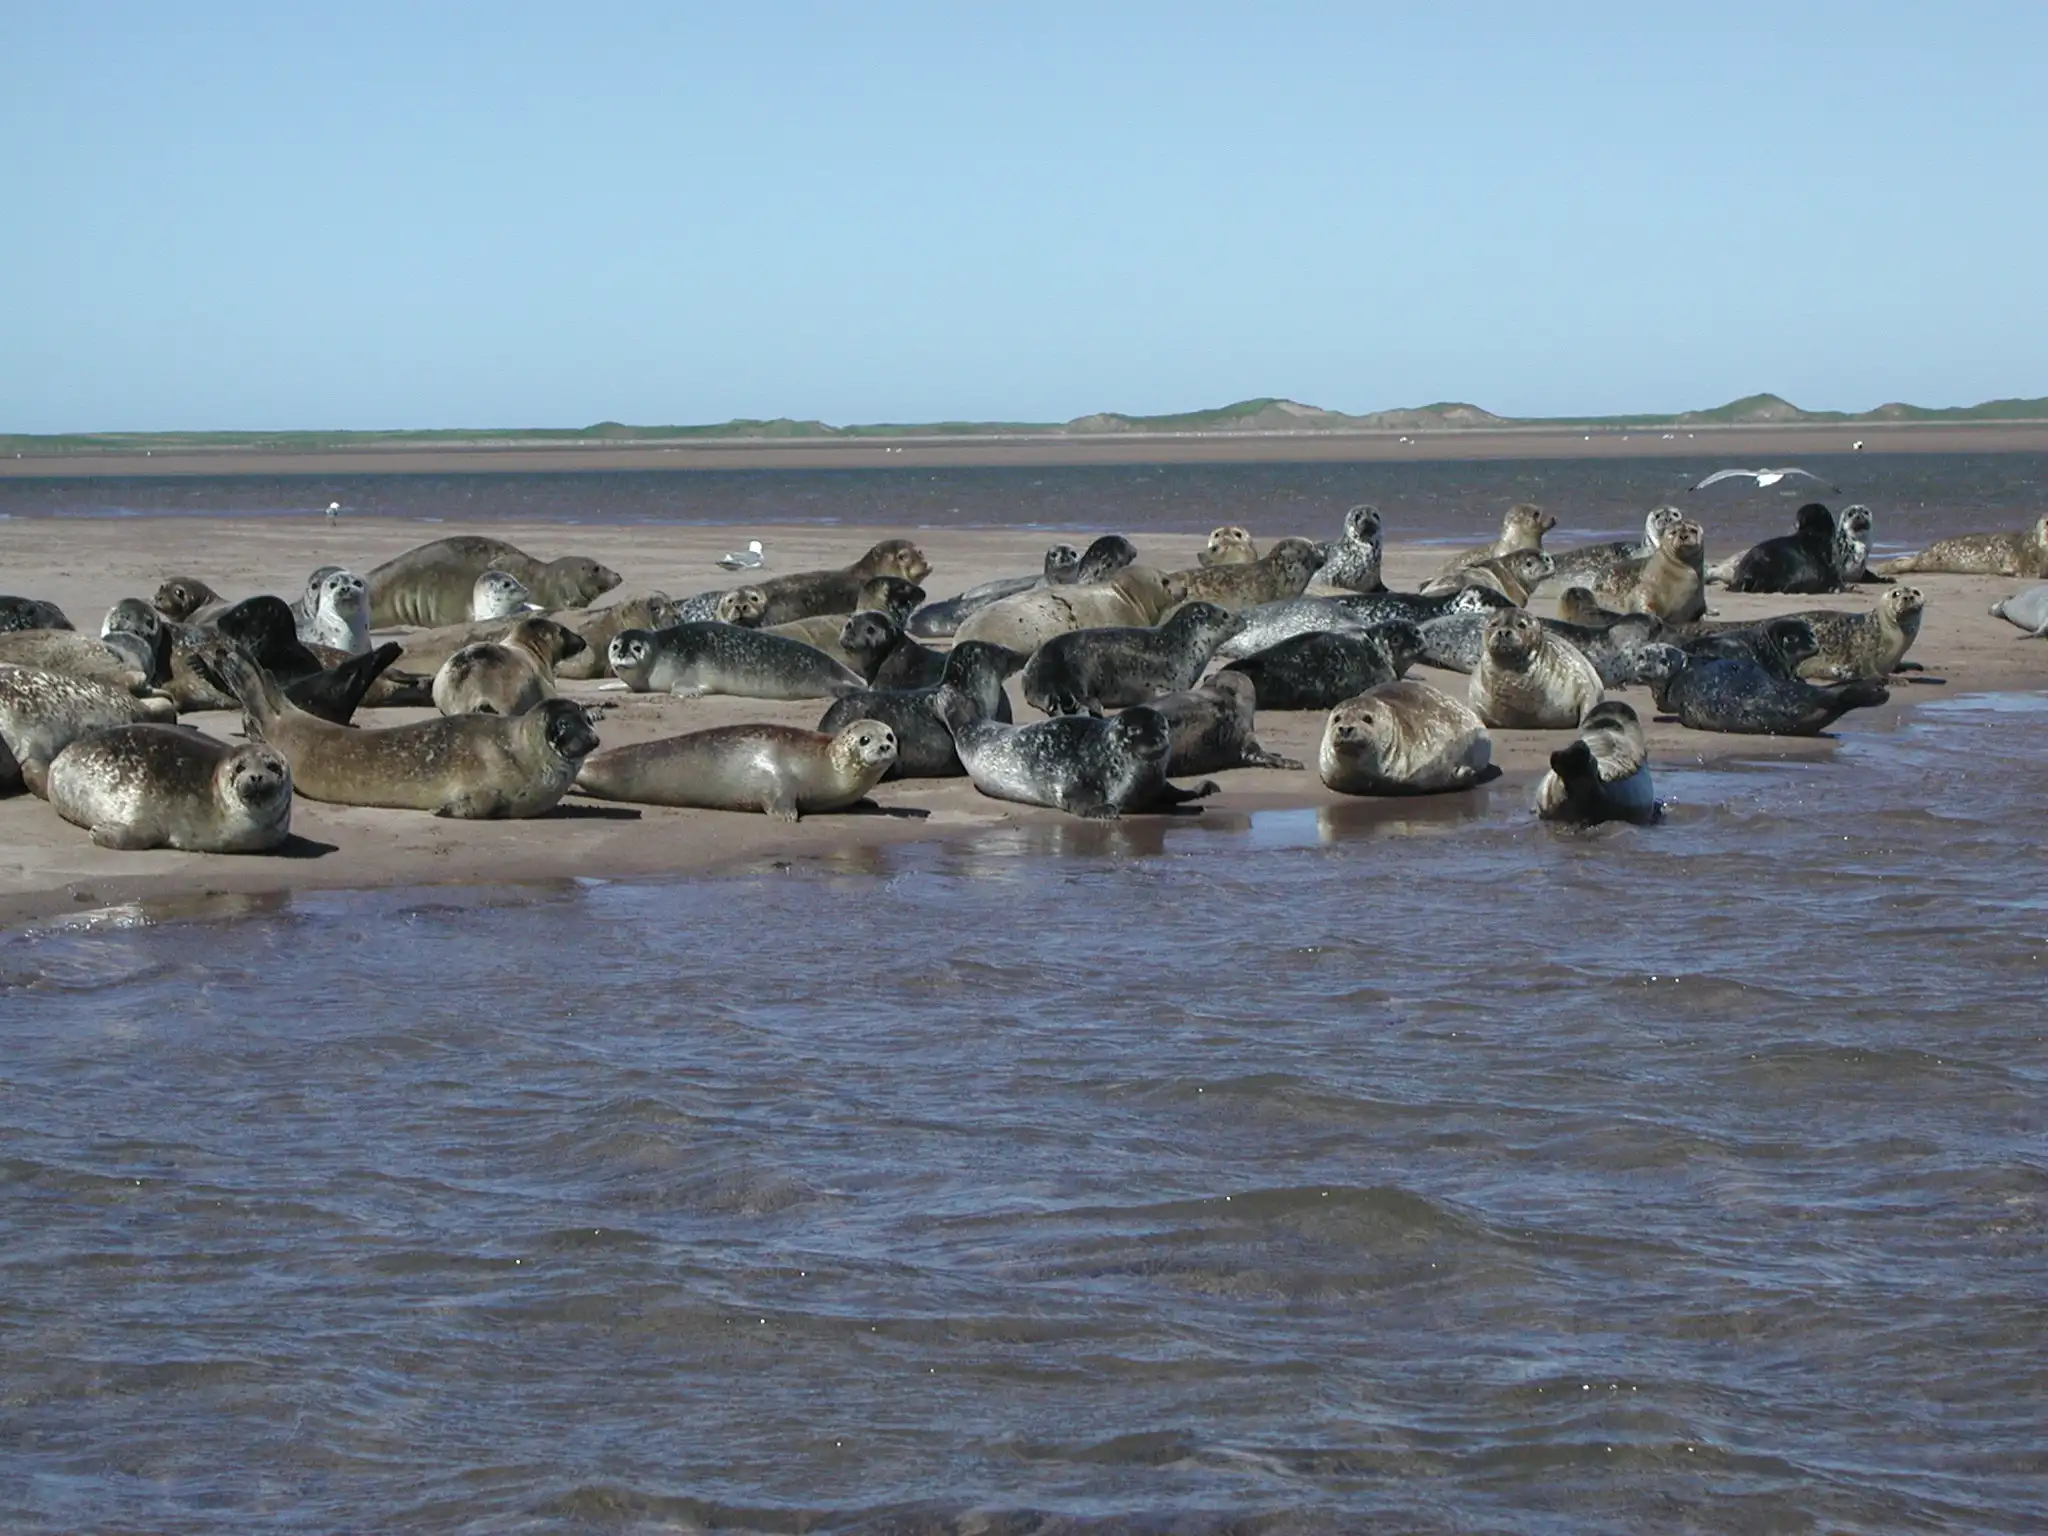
[
  {"x": 432, "y": 584},
  {"x": 781, "y": 770},
  {"x": 1404, "y": 738},
  {"x": 168, "y": 786}
]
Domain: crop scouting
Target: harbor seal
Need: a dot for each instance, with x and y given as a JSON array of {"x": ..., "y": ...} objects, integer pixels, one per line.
[
  {"x": 138, "y": 631},
  {"x": 1672, "y": 583},
  {"x": 18, "y": 613},
  {"x": 781, "y": 770},
  {"x": 1079, "y": 764},
  {"x": 431, "y": 586},
  {"x": 1978, "y": 554},
  {"x": 691, "y": 660},
  {"x": 1604, "y": 775},
  {"x": 1267, "y": 625},
  {"x": 475, "y": 767},
  {"x": 334, "y": 611},
  {"x": 508, "y": 676},
  {"x": 908, "y": 664},
  {"x": 1404, "y": 738},
  {"x": 2028, "y": 609},
  {"x": 1513, "y": 576},
  {"x": 1090, "y": 670},
  {"x": 169, "y": 786},
  {"x": 1321, "y": 671},
  {"x": 1228, "y": 545},
  {"x": 1522, "y": 526},
  {"x": 1353, "y": 563},
  {"x": 1102, "y": 559},
  {"x": 1739, "y": 694},
  {"x": 263, "y": 627},
  {"x": 1530, "y": 679},
  {"x": 1211, "y": 727},
  {"x": 1132, "y": 597},
  {"x": 180, "y": 598},
  {"x": 889, "y": 596},
  {"x": 1453, "y": 642},
  {"x": 838, "y": 591},
  {"x": 924, "y": 743},
  {"x": 743, "y": 606},
  {"x": 595, "y": 627},
  {"x": 937, "y": 621},
  {"x": 42, "y": 713},
  {"x": 499, "y": 595},
  {"x": 1801, "y": 561},
  {"x": 1585, "y": 564},
  {"x": 1852, "y": 549},
  {"x": 1283, "y": 571},
  {"x": 1864, "y": 645},
  {"x": 75, "y": 655}
]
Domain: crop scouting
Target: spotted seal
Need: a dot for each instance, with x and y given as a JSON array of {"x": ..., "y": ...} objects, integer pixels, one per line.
[
  {"x": 1079, "y": 764},
  {"x": 1852, "y": 549},
  {"x": 1522, "y": 526},
  {"x": 1514, "y": 576},
  {"x": 838, "y": 591},
  {"x": 1103, "y": 558},
  {"x": 79, "y": 656},
  {"x": 17, "y": 613},
  {"x": 1604, "y": 775},
  {"x": 974, "y": 669},
  {"x": 1321, "y": 671},
  {"x": 1267, "y": 625},
  {"x": 1132, "y": 597},
  {"x": 1530, "y": 679},
  {"x": 169, "y": 786},
  {"x": 743, "y": 606},
  {"x": 595, "y": 627},
  {"x": 1212, "y": 728},
  {"x": 1864, "y": 645},
  {"x": 890, "y": 596},
  {"x": 43, "y": 712},
  {"x": 508, "y": 676},
  {"x": 1283, "y": 571},
  {"x": 432, "y": 585},
  {"x": 1978, "y": 554},
  {"x": 691, "y": 660},
  {"x": 1228, "y": 545},
  {"x": 1671, "y": 584},
  {"x": 1090, "y": 670},
  {"x": 500, "y": 595},
  {"x": 2028, "y": 609},
  {"x": 1730, "y": 689},
  {"x": 781, "y": 770},
  {"x": 334, "y": 611},
  {"x": 937, "y": 621},
  {"x": 1585, "y": 564},
  {"x": 1353, "y": 562},
  {"x": 1404, "y": 738}
]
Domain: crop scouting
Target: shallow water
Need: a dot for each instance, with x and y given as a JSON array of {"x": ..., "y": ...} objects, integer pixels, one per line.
[{"x": 1414, "y": 1167}]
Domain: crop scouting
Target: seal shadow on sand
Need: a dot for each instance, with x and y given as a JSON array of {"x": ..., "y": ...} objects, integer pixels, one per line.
[
  {"x": 583, "y": 810},
  {"x": 876, "y": 808},
  {"x": 296, "y": 847}
]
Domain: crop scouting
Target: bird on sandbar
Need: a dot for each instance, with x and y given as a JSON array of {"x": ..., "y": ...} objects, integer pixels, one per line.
[
  {"x": 1764, "y": 478},
  {"x": 749, "y": 559},
  {"x": 333, "y": 510}
]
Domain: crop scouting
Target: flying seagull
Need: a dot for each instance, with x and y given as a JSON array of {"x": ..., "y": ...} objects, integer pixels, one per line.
[
  {"x": 1763, "y": 477},
  {"x": 748, "y": 559}
]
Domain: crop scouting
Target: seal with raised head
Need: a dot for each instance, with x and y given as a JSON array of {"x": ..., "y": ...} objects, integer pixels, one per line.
[
  {"x": 781, "y": 770},
  {"x": 1103, "y": 558},
  {"x": 1801, "y": 561},
  {"x": 1522, "y": 526},
  {"x": 1514, "y": 576},
  {"x": 1577, "y": 605},
  {"x": 181, "y": 599},
  {"x": 1585, "y": 564},
  {"x": 1604, "y": 775},
  {"x": 508, "y": 676},
  {"x": 596, "y": 626},
  {"x": 1732, "y": 691},
  {"x": 1134, "y": 596},
  {"x": 140, "y": 633},
  {"x": 1852, "y": 549},
  {"x": 1672, "y": 583},
  {"x": 1212, "y": 728},
  {"x": 1079, "y": 764},
  {"x": 1864, "y": 645},
  {"x": 743, "y": 606},
  {"x": 1404, "y": 738},
  {"x": 500, "y": 595},
  {"x": 18, "y": 613},
  {"x": 169, "y": 786},
  {"x": 1321, "y": 671},
  {"x": 1615, "y": 648},
  {"x": 334, "y": 611},
  {"x": 838, "y": 591},
  {"x": 691, "y": 660},
  {"x": 1283, "y": 571},
  {"x": 431, "y": 586},
  {"x": 1228, "y": 545},
  {"x": 1529, "y": 678},
  {"x": 2028, "y": 609},
  {"x": 476, "y": 767},
  {"x": 890, "y": 596},
  {"x": 263, "y": 627},
  {"x": 1090, "y": 670},
  {"x": 1978, "y": 554},
  {"x": 1353, "y": 562},
  {"x": 936, "y": 621},
  {"x": 924, "y": 743},
  {"x": 42, "y": 713}
]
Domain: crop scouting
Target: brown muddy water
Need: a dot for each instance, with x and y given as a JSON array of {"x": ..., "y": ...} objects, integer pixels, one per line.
[{"x": 1304, "y": 1171}]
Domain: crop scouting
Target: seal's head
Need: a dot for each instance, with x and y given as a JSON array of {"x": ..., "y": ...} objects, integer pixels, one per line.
[
  {"x": 742, "y": 606},
  {"x": 497, "y": 595},
  {"x": 182, "y": 596},
  {"x": 566, "y": 726},
  {"x": 257, "y": 778},
  {"x": 1512, "y": 638},
  {"x": 1144, "y": 733},
  {"x": 1105, "y": 557},
  {"x": 1229, "y": 545},
  {"x": 865, "y": 744},
  {"x": 1061, "y": 562},
  {"x": 631, "y": 655},
  {"x": 1362, "y": 524}
]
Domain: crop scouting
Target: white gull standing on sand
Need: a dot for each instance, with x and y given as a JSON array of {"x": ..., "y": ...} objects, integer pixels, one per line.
[{"x": 749, "y": 559}]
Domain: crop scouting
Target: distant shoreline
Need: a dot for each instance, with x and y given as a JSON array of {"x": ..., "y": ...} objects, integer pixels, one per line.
[{"x": 1723, "y": 443}]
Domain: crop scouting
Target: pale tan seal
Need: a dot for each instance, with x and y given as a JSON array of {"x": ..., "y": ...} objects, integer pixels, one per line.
[
  {"x": 476, "y": 767},
  {"x": 75, "y": 655},
  {"x": 1513, "y": 576},
  {"x": 1864, "y": 646},
  {"x": 431, "y": 586},
  {"x": 1283, "y": 571},
  {"x": 1228, "y": 545},
  {"x": 781, "y": 770},
  {"x": 500, "y": 595},
  {"x": 1671, "y": 584},
  {"x": 1604, "y": 775},
  {"x": 42, "y": 713},
  {"x": 169, "y": 786},
  {"x": 822, "y": 630},
  {"x": 814, "y": 592},
  {"x": 1529, "y": 678},
  {"x": 1134, "y": 596},
  {"x": 508, "y": 676},
  {"x": 1404, "y": 738},
  {"x": 1522, "y": 526},
  {"x": 1978, "y": 554},
  {"x": 1577, "y": 605}
]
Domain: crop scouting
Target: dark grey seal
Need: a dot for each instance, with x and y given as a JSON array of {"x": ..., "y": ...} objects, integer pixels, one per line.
[
  {"x": 1089, "y": 670},
  {"x": 691, "y": 660},
  {"x": 975, "y": 670},
  {"x": 1321, "y": 671},
  {"x": 17, "y": 613},
  {"x": 1725, "y": 686},
  {"x": 1212, "y": 728},
  {"x": 1079, "y": 764},
  {"x": 1604, "y": 775}
]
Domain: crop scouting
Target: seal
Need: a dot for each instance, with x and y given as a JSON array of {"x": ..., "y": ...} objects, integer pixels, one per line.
[
  {"x": 180, "y": 598},
  {"x": 1404, "y": 738},
  {"x": 1353, "y": 563},
  {"x": 263, "y": 627},
  {"x": 169, "y": 786},
  {"x": 1801, "y": 561},
  {"x": 1604, "y": 775},
  {"x": 1978, "y": 554},
  {"x": 1671, "y": 584},
  {"x": 42, "y": 713},
  {"x": 1133, "y": 597},
  {"x": 1738, "y": 694},
  {"x": 2028, "y": 609},
  {"x": 1852, "y": 549},
  {"x": 838, "y": 591},
  {"x": 1090, "y": 670},
  {"x": 1522, "y": 526},
  {"x": 1513, "y": 576},
  {"x": 1228, "y": 545},
  {"x": 140, "y": 633},
  {"x": 431, "y": 586},
  {"x": 865, "y": 642},
  {"x": 19, "y": 613},
  {"x": 1321, "y": 671},
  {"x": 1777, "y": 645},
  {"x": 1864, "y": 645},
  {"x": 334, "y": 611},
  {"x": 1265, "y": 626},
  {"x": 1103, "y": 559},
  {"x": 691, "y": 660},
  {"x": 508, "y": 676},
  {"x": 1283, "y": 571},
  {"x": 1212, "y": 728},
  {"x": 741, "y": 605},
  {"x": 499, "y": 595},
  {"x": 781, "y": 770},
  {"x": 1530, "y": 679},
  {"x": 908, "y": 664},
  {"x": 595, "y": 627},
  {"x": 1585, "y": 564},
  {"x": 76, "y": 655},
  {"x": 1577, "y": 605},
  {"x": 936, "y": 621},
  {"x": 890, "y": 596},
  {"x": 1615, "y": 647},
  {"x": 1074, "y": 763},
  {"x": 475, "y": 767},
  {"x": 924, "y": 743}
]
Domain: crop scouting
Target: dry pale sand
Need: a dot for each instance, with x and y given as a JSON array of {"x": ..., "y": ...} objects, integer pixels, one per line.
[{"x": 48, "y": 866}]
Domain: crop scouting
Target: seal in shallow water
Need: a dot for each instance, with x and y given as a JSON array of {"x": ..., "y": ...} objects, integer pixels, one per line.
[
  {"x": 924, "y": 743},
  {"x": 1091, "y": 670},
  {"x": 691, "y": 660},
  {"x": 781, "y": 770},
  {"x": 1074, "y": 763},
  {"x": 169, "y": 786},
  {"x": 508, "y": 676},
  {"x": 431, "y": 586},
  {"x": 2028, "y": 609},
  {"x": 1979, "y": 554},
  {"x": 1529, "y": 678},
  {"x": 1604, "y": 775},
  {"x": 1321, "y": 671},
  {"x": 1212, "y": 728},
  {"x": 1404, "y": 738},
  {"x": 1228, "y": 545},
  {"x": 42, "y": 713}
]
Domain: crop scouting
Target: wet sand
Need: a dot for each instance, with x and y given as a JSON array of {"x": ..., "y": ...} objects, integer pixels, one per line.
[{"x": 48, "y": 866}]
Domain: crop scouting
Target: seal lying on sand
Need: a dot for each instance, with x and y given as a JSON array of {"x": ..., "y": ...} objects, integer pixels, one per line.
[
  {"x": 924, "y": 742},
  {"x": 1864, "y": 645},
  {"x": 595, "y": 627},
  {"x": 1134, "y": 596},
  {"x": 2028, "y": 609},
  {"x": 1585, "y": 564},
  {"x": 1212, "y": 728},
  {"x": 691, "y": 660},
  {"x": 1801, "y": 561},
  {"x": 1604, "y": 775},
  {"x": 1522, "y": 526},
  {"x": 838, "y": 591},
  {"x": 508, "y": 676},
  {"x": 1283, "y": 571},
  {"x": 1228, "y": 545},
  {"x": 1979, "y": 554},
  {"x": 1404, "y": 738},
  {"x": 1513, "y": 576},
  {"x": 477, "y": 767},
  {"x": 1072, "y": 763},
  {"x": 1353, "y": 564},
  {"x": 431, "y": 586},
  {"x": 1529, "y": 678},
  {"x": 74, "y": 655},
  {"x": 168, "y": 786},
  {"x": 1730, "y": 691},
  {"x": 743, "y": 606},
  {"x": 42, "y": 713},
  {"x": 1672, "y": 583},
  {"x": 1321, "y": 671},
  {"x": 1265, "y": 626},
  {"x": 183, "y": 599},
  {"x": 777, "y": 769},
  {"x": 1090, "y": 670},
  {"x": 936, "y": 621},
  {"x": 500, "y": 595},
  {"x": 30, "y": 613}
]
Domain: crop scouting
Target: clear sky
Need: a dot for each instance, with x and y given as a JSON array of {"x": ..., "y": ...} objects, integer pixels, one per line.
[{"x": 371, "y": 215}]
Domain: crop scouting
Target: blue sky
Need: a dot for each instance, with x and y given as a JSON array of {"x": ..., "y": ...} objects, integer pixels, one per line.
[{"x": 497, "y": 215}]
